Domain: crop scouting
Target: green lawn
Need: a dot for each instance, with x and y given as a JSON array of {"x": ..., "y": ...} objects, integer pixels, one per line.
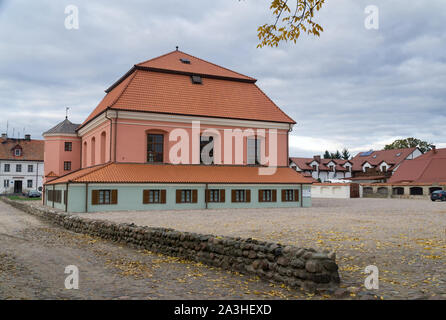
[{"x": 20, "y": 198}]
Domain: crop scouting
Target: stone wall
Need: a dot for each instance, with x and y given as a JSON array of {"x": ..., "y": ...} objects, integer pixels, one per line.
[{"x": 296, "y": 267}]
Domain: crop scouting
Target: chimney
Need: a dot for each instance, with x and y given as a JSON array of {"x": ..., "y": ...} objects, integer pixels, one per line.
[
  {"x": 317, "y": 159},
  {"x": 4, "y": 136},
  {"x": 434, "y": 149},
  {"x": 27, "y": 137}
]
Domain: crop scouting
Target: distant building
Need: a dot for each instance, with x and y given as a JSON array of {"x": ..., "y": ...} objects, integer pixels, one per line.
[
  {"x": 21, "y": 164},
  {"x": 365, "y": 167},
  {"x": 322, "y": 169}
]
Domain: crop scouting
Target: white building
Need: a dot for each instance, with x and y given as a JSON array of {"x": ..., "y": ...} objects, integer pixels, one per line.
[
  {"x": 21, "y": 165},
  {"x": 323, "y": 169}
]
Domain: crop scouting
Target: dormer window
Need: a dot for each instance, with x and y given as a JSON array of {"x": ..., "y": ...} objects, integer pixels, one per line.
[
  {"x": 196, "y": 80},
  {"x": 17, "y": 152}
]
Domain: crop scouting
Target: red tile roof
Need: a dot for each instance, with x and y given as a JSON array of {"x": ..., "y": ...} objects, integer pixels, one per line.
[
  {"x": 376, "y": 157},
  {"x": 304, "y": 163},
  {"x": 168, "y": 89},
  {"x": 32, "y": 150},
  {"x": 150, "y": 173},
  {"x": 427, "y": 168},
  {"x": 171, "y": 61}
]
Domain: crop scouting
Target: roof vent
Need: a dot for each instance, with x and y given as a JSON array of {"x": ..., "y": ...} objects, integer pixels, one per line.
[
  {"x": 196, "y": 80},
  {"x": 185, "y": 61}
]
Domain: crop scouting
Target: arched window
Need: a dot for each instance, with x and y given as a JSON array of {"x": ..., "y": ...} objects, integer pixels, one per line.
[
  {"x": 93, "y": 151},
  {"x": 103, "y": 139}
]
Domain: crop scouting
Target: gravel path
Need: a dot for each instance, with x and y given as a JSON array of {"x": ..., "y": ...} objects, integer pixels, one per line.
[
  {"x": 405, "y": 239},
  {"x": 34, "y": 254}
]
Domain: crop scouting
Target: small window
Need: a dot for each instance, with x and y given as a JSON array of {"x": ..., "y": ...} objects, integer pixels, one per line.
[
  {"x": 214, "y": 195},
  {"x": 154, "y": 196},
  {"x": 185, "y": 61},
  {"x": 241, "y": 195},
  {"x": 18, "y": 168},
  {"x": 104, "y": 197},
  {"x": 290, "y": 195},
  {"x": 196, "y": 80},
  {"x": 6, "y": 183},
  {"x": 30, "y": 183},
  {"x": 30, "y": 168},
  {"x": 207, "y": 157},
  {"x": 7, "y": 167},
  {"x": 186, "y": 196},
  {"x": 67, "y": 165},
  {"x": 265, "y": 195},
  {"x": 314, "y": 167},
  {"x": 17, "y": 152},
  {"x": 68, "y": 146}
]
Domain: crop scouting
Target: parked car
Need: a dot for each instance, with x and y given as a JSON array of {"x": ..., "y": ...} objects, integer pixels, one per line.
[
  {"x": 438, "y": 195},
  {"x": 33, "y": 194}
]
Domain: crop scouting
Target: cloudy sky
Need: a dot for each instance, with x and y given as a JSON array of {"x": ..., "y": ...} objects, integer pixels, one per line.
[{"x": 352, "y": 87}]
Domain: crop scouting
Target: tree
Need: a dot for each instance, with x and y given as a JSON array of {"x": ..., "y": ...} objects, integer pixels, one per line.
[
  {"x": 345, "y": 154},
  {"x": 424, "y": 146},
  {"x": 327, "y": 155},
  {"x": 336, "y": 155},
  {"x": 290, "y": 22}
]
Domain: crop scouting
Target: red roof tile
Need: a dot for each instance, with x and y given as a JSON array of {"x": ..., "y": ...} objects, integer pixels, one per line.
[
  {"x": 149, "y": 173},
  {"x": 173, "y": 93},
  {"x": 428, "y": 168},
  {"x": 376, "y": 157},
  {"x": 32, "y": 150}
]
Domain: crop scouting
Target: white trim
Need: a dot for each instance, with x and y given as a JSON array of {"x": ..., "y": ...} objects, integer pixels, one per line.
[
  {"x": 183, "y": 119},
  {"x": 60, "y": 135}
]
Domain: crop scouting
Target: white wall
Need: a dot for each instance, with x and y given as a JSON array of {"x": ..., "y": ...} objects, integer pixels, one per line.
[
  {"x": 334, "y": 191},
  {"x": 36, "y": 176}
]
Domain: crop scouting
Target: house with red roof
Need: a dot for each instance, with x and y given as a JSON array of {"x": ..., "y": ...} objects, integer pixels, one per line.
[
  {"x": 366, "y": 167},
  {"x": 175, "y": 132},
  {"x": 417, "y": 178},
  {"x": 21, "y": 164}
]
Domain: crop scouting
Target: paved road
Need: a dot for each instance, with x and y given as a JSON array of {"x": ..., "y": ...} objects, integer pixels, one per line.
[{"x": 34, "y": 254}]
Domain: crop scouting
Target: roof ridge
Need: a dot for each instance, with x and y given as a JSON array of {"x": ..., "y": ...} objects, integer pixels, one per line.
[{"x": 202, "y": 60}]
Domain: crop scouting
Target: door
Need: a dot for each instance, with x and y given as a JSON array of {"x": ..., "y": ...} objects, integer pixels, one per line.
[
  {"x": 17, "y": 186},
  {"x": 354, "y": 190}
]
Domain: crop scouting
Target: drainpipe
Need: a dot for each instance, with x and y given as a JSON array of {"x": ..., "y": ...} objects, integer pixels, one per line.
[
  {"x": 66, "y": 200},
  {"x": 111, "y": 134},
  {"x": 205, "y": 198},
  {"x": 86, "y": 197},
  {"x": 301, "y": 196},
  {"x": 53, "y": 193},
  {"x": 116, "y": 132}
]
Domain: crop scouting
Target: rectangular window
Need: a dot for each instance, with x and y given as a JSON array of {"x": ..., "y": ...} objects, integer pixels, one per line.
[
  {"x": 17, "y": 152},
  {"x": 186, "y": 196},
  {"x": 154, "y": 196},
  {"x": 6, "y": 183},
  {"x": 253, "y": 150},
  {"x": 18, "y": 168},
  {"x": 290, "y": 195},
  {"x": 155, "y": 147},
  {"x": 104, "y": 197},
  {"x": 30, "y": 183},
  {"x": 55, "y": 196},
  {"x": 68, "y": 146},
  {"x": 241, "y": 195},
  {"x": 207, "y": 157},
  {"x": 214, "y": 195},
  {"x": 268, "y": 195},
  {"x": 67, "y": 165},
  {"x": 7, "y": 167},
  {"x": 30, "y": 168}
]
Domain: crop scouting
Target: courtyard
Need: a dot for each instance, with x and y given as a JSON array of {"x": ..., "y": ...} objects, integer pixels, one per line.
[{"x": 405, "y": 239}]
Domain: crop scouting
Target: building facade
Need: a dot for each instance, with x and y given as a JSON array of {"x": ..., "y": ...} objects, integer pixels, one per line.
[
  {"x": 175, "y": 132},
  {"x": 365, "y": 167},
  {"x": 21, "y": 165}
]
